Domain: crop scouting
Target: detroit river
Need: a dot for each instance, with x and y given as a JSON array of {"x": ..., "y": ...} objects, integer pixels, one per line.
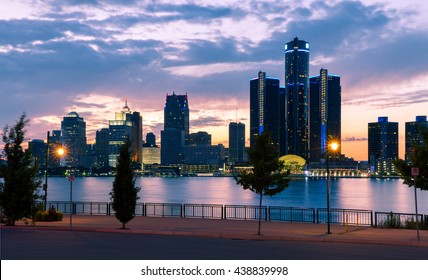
[{"x": 359, "y": 193}]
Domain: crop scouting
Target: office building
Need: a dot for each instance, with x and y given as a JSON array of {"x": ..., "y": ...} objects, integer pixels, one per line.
[
  {"x": 150, "y": 140},
  {"x": 211, "y": 156},
  {"x": 151, "y": 155},
  {"x": 236, "y": 142},
  {"x": 176, "y": 112},
  {"x": 414, "y": 136},
  {"x": 37, "y": 148},
  {"x": 267, "y": 110},
  {"x": 200, "y": 138},
  {"x": 172, "y": 143},
  {"x": 297, "y": 97},
  {"x": 325, "y": 114},
  {"x": 73, "y": 132},
  {"x": 127, "y": 126},
  {"x": 102, "y": 147},
  {"x": 176, "y": 129},
  {"x": 382, "y": 146}
]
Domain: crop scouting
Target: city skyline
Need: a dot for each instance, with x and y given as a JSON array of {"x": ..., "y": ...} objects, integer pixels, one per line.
[{"x": 88, "y": 57}]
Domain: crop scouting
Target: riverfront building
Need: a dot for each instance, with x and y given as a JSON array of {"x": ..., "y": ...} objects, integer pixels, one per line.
[
  {"x": 325, "y": 114},
  {"x": 236, "y": 142},
  {"x": 73, "y": 131},
  {"x": 127, "y": 126},
  {"x": 267, "y": 110},
  {"x": 383, "y": 146},
  {"x": 413, "y": 134},
  {"x": 297, "y": 97},
  {"x": 176, "y": 129},
  {"x": 102, "y": 147}
]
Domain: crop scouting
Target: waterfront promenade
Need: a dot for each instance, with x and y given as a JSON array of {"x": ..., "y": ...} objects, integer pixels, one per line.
[{"x": 235, "y": 229}]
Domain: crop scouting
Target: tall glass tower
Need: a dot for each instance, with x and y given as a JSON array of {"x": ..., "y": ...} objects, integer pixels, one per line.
[
  {"x": 267, "y": 110},
  {"x": 297, "y": 97},
  {"x": 383, "y": 145},
  {"x": 413, "y": 134},
  {"x": 325, "y": 113},
  {"x": 176, "y": 129},
  {"x": 73, "y": 130}
]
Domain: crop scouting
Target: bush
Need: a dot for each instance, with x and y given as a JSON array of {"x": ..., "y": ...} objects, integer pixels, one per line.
[
  {"x": 392, "y": 221},
  {"x": 48, "y": 216}
]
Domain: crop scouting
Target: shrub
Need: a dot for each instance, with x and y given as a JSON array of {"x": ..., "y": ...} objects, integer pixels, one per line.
[
  {"x": 48, "y": 216},
  {"x": 392, "y": 221}
]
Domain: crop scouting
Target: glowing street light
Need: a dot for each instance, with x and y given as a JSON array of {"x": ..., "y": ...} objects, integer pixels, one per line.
[
  {"x": 333, "y": 146},
  {"x": 60, "y": 151}
]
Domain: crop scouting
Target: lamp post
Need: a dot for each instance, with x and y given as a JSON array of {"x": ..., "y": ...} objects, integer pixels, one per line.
[
  {"x": 60, "y": 152},
  {"x": 333, "y": 146},
  {"x": 45, "y": 186}
]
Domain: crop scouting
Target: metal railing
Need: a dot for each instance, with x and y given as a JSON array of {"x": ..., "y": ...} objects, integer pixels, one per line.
[
  {"x": 400, "y": 220},
  {"x": 203, "y": 211},
  {"x": 163, "y": 210},
  {"x": 245, "y": 212},
  {"x": 292, "y": 214},
  {"x": 346, "y": 216},
  {"x": 250, "y": 212}
]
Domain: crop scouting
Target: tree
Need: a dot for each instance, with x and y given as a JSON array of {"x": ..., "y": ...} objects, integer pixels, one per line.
[
  {"x": 124, "y": 195},
  {"x": 19, "y": 192},
  {"x": 419, "y": 159},
  {"x": 267, "y": 176}
]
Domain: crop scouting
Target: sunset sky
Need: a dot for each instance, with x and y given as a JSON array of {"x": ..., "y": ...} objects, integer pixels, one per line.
[{"x": 88, "y": 56}]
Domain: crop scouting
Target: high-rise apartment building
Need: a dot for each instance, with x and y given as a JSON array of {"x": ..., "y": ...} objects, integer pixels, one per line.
[
  {"x": 73, "y": 131},
  {"x": 236, "y": 142},
  {"x": 325, "y": 114},
  {"x": 176, "y": 129},
  {"x": 297, "y": 97},
  {"x": 413, "y": 134},
  {"x": 267, "y": 110},
  {"x": 383, "y": 145},
  {"x": 127, "y": 126}
]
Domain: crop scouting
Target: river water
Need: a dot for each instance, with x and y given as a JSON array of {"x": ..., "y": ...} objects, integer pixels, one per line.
[{"x": 359, "y": 193}]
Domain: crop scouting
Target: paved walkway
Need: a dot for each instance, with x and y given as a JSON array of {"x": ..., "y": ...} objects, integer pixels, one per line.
[{"x": 237, "y": 229}]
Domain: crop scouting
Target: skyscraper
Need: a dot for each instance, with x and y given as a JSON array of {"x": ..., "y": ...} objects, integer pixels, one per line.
[
  {"x": 102, "y": 147},
  {"x": 413, "y": 136},
  {"x": 176, "y": 112},
  {"x": 383, "y": 145},
  {"x": 236, "y": 142},
  {"x": 176, "y": 129},
  {"x": 325, "y": 112},
  {"x": 267, "y": 109},
  {"x": 127, "y": 126},
  {"x": 297, "y": 97},
  {"x": 73, "y": 130}
]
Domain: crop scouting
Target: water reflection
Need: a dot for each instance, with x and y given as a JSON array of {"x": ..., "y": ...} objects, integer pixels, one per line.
[{"x": 351, "y": 193}]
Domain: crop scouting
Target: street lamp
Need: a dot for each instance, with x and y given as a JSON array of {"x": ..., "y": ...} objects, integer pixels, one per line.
[
  {"x": 60, "y": 152},
  {"x": 333, "y": 146}
]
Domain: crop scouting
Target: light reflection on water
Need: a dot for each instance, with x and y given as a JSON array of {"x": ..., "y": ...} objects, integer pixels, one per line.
[{"x": 369, "y": 194}]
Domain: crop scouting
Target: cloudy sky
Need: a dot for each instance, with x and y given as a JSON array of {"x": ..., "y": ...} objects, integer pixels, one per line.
[{"x": 89, "y": 55}]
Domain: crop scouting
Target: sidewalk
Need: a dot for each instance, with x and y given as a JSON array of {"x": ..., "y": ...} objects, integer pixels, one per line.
[{"x": 236, "y": 229}]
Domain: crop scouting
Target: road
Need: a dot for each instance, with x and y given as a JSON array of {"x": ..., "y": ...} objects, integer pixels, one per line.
[{"x": 80, "y": 245}]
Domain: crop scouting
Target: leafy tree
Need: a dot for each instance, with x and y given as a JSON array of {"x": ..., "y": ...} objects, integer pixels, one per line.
[
  {"x": 19, "y": 192},
  {"x": 418, "y": 159},
  {"x": 267, "y": 176},
  {"x": 124, "y": 195}
]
